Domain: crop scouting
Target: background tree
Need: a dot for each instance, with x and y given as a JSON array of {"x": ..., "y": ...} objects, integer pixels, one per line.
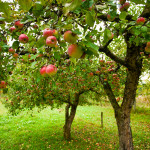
[
  {"x": 96, "y": 26},
  {"x": 27, "y": 90}
]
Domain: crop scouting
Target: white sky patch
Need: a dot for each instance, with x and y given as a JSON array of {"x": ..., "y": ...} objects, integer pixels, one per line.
[
  {"x": 145, "y": 77},
  {"x": 7, "y": 1}
]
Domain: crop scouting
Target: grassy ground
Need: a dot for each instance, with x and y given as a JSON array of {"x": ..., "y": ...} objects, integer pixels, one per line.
[{"x": 44, "y": 130}]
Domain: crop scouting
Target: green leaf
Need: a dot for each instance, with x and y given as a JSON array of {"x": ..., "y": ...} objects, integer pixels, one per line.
[
  {"x": 25, "y": 4},
  {"x": 15, "y": 44},
  {"x": 72, "y": 6},
  {"x": 73, "y": 60},
  {"x": 123, "y": 15},
  {"x": 5, "y": 8},
  {"x": 53, "y": 84},
  {"x": 94, "y": 52},
  {"x": 33, "y": 64},
  {"x": 68, "y": 26},
  {"x": 92, "y": 45},
  {"x": 43, "y": 2},
  {"x": 57, "y": 55},
  {"x": 138, "y": 1},
  {"x": 107, "y": 35},
  {"x": 89, "y": 19},
  {"x": 77, "y": 31},
  {"x": 144, "y": 29},
  {"x": 40, "y": 42},
  {"x": 37, "y": 9},
  {"x": 137, "y": 31},
  {"x": 71, "y": 68},
  {"x": 39, "y": 77},
  {"x": 33, "y": 56},
  {"x": 92, "y": 49}
]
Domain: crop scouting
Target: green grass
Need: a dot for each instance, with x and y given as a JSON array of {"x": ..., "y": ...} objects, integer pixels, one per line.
[{"x": 44, "y": 130}]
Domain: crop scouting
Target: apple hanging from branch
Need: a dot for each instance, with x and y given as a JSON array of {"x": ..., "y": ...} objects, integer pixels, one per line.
[
  {"x": 23, "y": 38},
  {"x": 51, "y": 41},
  {"x": 75, "y": 51},
  {"x": 51, "y": 70},
  {"x": 47, "y": 32},
  {"x": 18, "y": 24},
  {"x": 43, "y": 71},
  {"x": 70, "y": 37}
]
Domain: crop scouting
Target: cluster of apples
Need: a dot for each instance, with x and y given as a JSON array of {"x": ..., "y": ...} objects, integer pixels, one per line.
[
  {"x": 74, "y": 50},
  {"x": 12, "y": 51},
  {"x": 50, "y": 38},
  {"x": 18, "y": 25},
  {"x": 147, "y": 48},
  {"x": 48, "y": 70},
  {"x": 23, "y": 38},
  {"x": 124, "y": 5},
  {"x": 3, "y": 84}
]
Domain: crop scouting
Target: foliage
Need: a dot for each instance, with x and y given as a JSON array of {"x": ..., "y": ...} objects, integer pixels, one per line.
[{"x": 98, "y": 27}]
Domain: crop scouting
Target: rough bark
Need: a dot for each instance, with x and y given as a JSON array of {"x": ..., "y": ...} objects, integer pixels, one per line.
[
  {"x": 122, "y": 113},
  {"x": 69, "y": 117},
  {"x": 124, "y": 130}
]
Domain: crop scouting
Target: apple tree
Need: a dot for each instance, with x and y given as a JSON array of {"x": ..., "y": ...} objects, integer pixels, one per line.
[
  {"x": 85, "y": 29},
  {"x": 49, "y": 87}
]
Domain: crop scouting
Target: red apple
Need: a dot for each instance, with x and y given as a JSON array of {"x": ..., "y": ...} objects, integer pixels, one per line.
[
  {"x": 101, "y": 61},
  {"x": 51, "y": 70},
  {"x": 12, "y": 29},
  {"x": 126, "y": 5},
  {"x": 18, "y": 24},
  {"x": 97, "y": 72},
  {"x": 70, "y": 37},
  {"x": 91, "y": 74},
  {"x": 51, "y": 41},
  {"x": 75, "y": 51},
  {"x": 110, "y": 18},
  {"x": 35, "y": 26},
  {"x": 33, "y": 50},
  {"x": 148, "y": 44},
  {"x": 140, "y": 20},
  {"x": 40, "y": 55},
  {"x": 43, "y": 71},
  {"x": 2, "y": 84},
  {"x": 15, "y": 55},
  {"x": 23, "y": 38},
  {"x": 121, "y": 8},
  {"x": 147, "y": 49},
  {"x": 29, "y": 56},
  {"x": 103, "y": 68},
  {"x": 47, "y": 32},
  {"x": 55, "y": 32},
  {"x": 141, "y": 53},
  {"x": 118, "y": 99},
  {"x": 11, "y": 50}
]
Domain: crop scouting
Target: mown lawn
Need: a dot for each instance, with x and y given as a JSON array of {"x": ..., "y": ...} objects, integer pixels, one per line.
[{"x": 44, "y": 130}]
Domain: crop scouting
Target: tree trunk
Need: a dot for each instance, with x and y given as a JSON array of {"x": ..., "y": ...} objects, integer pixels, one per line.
[
  {"x": 122, "y": 113},
  {"x": 124, "y": 130},
  {"x": 68, "y": 121}
]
